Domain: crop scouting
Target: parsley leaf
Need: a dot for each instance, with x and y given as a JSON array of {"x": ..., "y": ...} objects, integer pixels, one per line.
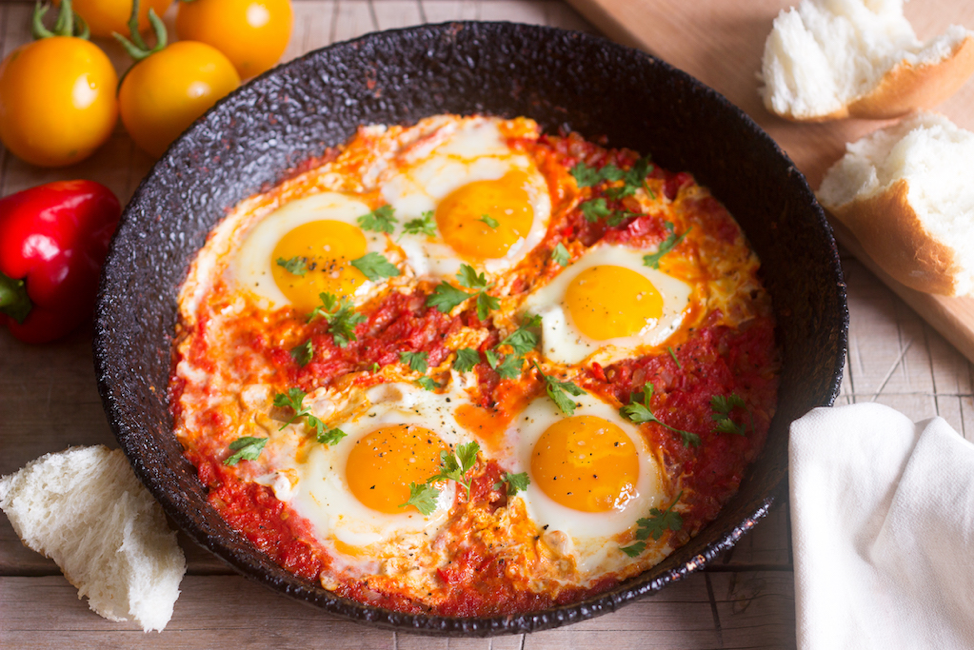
[
  {"x": 469, "y": 278},
  {"x": 557, "y": 391},
  {"x": 722, "y": 407},
  {"x": 515, "y": 483},
  {"x": 330, "y": 436},
  {"x": 247, "y": 448},
  {"x": 302, "y": 354},
  {"x": 665, "y": 247},
  {"x": 490, "y": 221},
  {"x": 560, "y": 255},
  {"x": 422, "y": 226},
  {"x": 415, "y": 360},
  {"x": 423, "y": 497},
  {"x": 375, "y": 266},
  {"x": 521, "y": 340},
  {"x": 639, "y": 413},
  {"x": 340, "y": 316},
  {"x": 445, "y": 297},
  {"x": 508, "y": 367},
  {"x": 654, "y": 526},
  {"x": 595, "y": 209},
  {"x": 295, "y": 265},
  {"x": 585, "y": 176},
  {"x": 294, "y": 400},
  {"x": 427, "y": 383},
  {"x": 467, "y": 358},
  {"x": 531, "y": 320},
  {"x": 632, "y": 179},
  {"x": 485, "y": 303},
  {"x": 454, "y": 467},
  {"x": 675, "y": 360},
  {"x": 379, "y": 220}
]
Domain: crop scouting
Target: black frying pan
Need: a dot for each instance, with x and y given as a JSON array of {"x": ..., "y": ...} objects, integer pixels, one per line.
[{"x": 564, "y": 80}]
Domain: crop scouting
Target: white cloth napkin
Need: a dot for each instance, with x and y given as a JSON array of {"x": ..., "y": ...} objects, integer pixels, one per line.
[{"x": 882, "y": 514}]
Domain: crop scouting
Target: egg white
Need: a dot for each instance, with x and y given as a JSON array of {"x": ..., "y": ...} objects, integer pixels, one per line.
[
  {"x": 458, "y": 153},
  {"x": 563, "y": 342},
  {"x": 589, "y": 533},
  {"x": 252, "y": 265},
  {"x": 314, "y": 482}
]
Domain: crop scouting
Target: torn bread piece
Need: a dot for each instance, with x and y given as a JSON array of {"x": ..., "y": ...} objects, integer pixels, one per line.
[
  {"x": 832, "y": 59},
  {"x": 84, "y": 508},
  {"x": 907, "y": 193}
]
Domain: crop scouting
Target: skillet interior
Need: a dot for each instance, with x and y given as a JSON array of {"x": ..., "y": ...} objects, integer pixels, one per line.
[{"x": 563, "y": 80}]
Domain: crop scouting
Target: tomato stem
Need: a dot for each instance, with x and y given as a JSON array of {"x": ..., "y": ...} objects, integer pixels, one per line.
[
  {"x": 136, "y": 47},
  {"x": 14, "y": 301},
  {"x": 68, "y": 24}
]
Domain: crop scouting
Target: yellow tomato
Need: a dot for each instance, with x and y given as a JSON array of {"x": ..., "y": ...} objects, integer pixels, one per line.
[
  {"x": 57, "y": 100},
  {"x": 252, "y": 33},
  {"x": 107, "y": 16},
  {"x": 163, "y": 94}
]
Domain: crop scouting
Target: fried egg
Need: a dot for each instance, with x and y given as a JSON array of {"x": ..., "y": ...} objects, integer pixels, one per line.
[
  {"x": 592, "y": 476},
  {"x": 353, "y": 491},
  {"x": 490, "y": 204},
  {"x": 320, "y": 237},
  {"x": 607, "y": 304}
]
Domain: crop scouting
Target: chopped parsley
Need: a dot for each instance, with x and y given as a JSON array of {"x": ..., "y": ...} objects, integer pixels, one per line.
[
  {"x": 665, "y": 246},
  {"x": 330, "y": 436},
  {"x": 446, "y": 297},
  {"x": 246, "y": 448},
  {"x": 632, "y": 179},
  {"x": 490, "y": 221},
  {"x": 515, "y": 483},
  {"x": 522, "y": 340},
  {"x": 423, "y": 496},
  {"x": 722, "y": 407},
  {"x": 303, "y": 354},
  {"x": 469, "y": 278},
  {"x": 375, "y": 266},
  {"x": 340, "y": 316},
  {"x": 466, "y": 359},
  {"x": 558, "y": 391},
  {"x": 295, "y": 265},
  {"x": 638, "y": 413},
  {"x": 595, "y": 209},
  {"x": 426, "y": 383},
  {"x": 415, "y": 360},
  {"x": 454, "y": 467},
  {"x": 675, "y": 360},
  {"x": 560, "y": 255},
  {"x": 421, "y": 226},
  {"x": 508, "y": 367},
  {"x": 379, "y": 220},
  {"x": 654, "y": 526}
]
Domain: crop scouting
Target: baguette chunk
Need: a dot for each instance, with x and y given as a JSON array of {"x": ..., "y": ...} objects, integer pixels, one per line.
[
  {"x": 85, "y": 509},
  {"x": 907, "y": 193}
]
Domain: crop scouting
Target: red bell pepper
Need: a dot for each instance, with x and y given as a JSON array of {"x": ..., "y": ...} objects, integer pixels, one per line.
[{"x": 53, "y": 241}]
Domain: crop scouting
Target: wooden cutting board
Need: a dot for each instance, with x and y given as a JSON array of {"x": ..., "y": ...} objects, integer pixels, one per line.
[{"x": 721, "y": 42}]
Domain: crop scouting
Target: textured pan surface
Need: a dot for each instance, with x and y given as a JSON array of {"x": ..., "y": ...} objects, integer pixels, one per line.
[{"x": 561, "y": 79}]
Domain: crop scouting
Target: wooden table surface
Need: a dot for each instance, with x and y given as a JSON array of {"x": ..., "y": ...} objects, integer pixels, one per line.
[{"x": 48, "y": 401}]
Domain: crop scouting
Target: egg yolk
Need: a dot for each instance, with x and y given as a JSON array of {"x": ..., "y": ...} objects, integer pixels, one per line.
[
  {"x": 383, "y": 463},
  {"x": 586, "y": 463},
  {"x": 606, "y": 302},
  {"x": 483, "y": 219},
  {"x": 320, "y": 254}
]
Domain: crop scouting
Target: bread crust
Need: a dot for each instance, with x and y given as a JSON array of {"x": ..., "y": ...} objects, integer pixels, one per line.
[
  {"x": 906, "y": 88},
  {"x": 890, "y": 231}
]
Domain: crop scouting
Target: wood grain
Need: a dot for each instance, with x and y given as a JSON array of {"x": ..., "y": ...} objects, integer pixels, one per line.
[
  {"x": 721, "y": 43},
  {"x": 745, "y": 599}
]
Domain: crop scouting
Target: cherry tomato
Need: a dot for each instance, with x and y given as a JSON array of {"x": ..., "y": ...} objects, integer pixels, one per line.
[
  {"x": 57, "y": 100},
  {"x": 252, "y": 33},
  {"x": 164, "y": 93},
  {"x": 107, "y": 16}
]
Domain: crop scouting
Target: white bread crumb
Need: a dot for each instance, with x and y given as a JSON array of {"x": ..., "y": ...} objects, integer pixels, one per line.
[
  {"x": 907, "y": 193},
  {"x": 85, "y": 509},
  {"x": 830, "y": 59}
]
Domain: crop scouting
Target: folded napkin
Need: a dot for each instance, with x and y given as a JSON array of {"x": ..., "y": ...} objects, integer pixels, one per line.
[{"x": 882, "y": 514}]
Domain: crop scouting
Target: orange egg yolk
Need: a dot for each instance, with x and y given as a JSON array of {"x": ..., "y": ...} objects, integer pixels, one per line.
[
  {"x": 383, "y": 463},
  {"x": 483, "y": 219},
  {"x": 606, "y": 302},
  {"x": 323, "y": 251},
  {"x": 586, "y": 463}
]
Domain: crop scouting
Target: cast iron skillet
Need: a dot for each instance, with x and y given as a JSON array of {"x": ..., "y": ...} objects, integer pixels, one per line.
[{"x": 563, "y": 80}]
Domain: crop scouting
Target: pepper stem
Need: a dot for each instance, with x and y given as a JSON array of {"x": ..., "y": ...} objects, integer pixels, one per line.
[
  {"x": 68, "y": 24},
  {"x": 14, "y": 301},
  {"x": 135, "y": 44}
]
